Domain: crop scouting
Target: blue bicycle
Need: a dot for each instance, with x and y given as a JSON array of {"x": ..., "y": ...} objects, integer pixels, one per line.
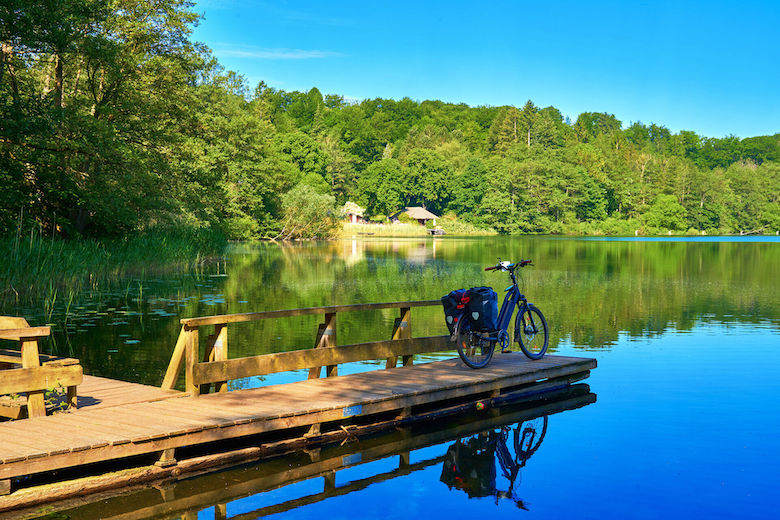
[{"x": 476, "y": 348}]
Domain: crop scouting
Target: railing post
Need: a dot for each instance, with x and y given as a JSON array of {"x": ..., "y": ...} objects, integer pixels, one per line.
[
  {"x": 221, "y": 353},
  {"x": 176, "y": 362},
  {"x": 191, "y": 345},
  {"x": 216, "y": 350},
  {"x": 326, "y": 337},
  {"x": 216, "y": 347},
  {"x": 401, "y": 330},
  {"x": 36, "y": 404}
]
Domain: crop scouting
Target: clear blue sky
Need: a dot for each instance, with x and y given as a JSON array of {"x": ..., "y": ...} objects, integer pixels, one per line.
[{"x": 712, "y": 67}]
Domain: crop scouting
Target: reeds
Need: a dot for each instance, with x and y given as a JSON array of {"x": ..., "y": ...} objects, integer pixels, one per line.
[
  {"x": 39, "y": 268},
  {"x": 384, "y": 230}
]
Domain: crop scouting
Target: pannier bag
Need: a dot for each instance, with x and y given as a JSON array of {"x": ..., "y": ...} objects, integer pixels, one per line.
[
  {"x": 482, "y": 309},
  {"x": 454, "y": 306}
]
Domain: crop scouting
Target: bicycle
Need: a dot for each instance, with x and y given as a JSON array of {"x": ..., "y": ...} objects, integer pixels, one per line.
[
  {"x": 469, "y": 463},
  {"x": 531, "y": 333}
]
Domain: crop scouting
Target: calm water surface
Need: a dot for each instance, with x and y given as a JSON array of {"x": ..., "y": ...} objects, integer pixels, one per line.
[{"x": 685, "y": 332}]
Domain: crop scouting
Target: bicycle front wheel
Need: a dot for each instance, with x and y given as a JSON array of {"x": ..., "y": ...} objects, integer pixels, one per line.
[
  {"x": 531, "y": 332},
  {"x": 528, "y": 437},
  {"x": 473, "y": 348}
]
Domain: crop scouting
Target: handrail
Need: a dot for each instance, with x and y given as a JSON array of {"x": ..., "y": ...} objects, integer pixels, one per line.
[
  {"x": 253, "y": 316},
  {"x": 214, "y": 367},
  {"x": 265, "y": 364},
  {"x": 27, "y": 332}
]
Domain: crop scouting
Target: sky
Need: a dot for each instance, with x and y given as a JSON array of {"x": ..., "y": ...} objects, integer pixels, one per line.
[{"x": 712, "y": 67}]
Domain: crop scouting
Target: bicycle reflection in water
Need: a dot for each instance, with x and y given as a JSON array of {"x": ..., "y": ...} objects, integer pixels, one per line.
[{"x": 470, "y": 463}]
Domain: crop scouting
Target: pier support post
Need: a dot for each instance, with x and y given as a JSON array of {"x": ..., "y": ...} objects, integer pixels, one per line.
[
  {"x": 167, "y": 458},
  {"x": 314, "y": 431},
  {"x": 326, "y": 337},
  {"x": 330, "y": 481},
  {"x": 167, "y": 490},
  {"x": 404, "y": 459},
  {"x": 5, "y": 486}
]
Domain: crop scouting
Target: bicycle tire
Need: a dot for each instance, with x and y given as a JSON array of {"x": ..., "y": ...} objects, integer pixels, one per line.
[
  {"x": 528, "y": 436},
  {"x": 474, "y": 350},
  {"x": 533, "y": 340}
]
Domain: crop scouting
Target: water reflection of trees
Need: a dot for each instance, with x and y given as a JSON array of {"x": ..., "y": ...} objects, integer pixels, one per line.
[
  {"x": 189, "y": 497},
  {"x": 591, "y": 291}
]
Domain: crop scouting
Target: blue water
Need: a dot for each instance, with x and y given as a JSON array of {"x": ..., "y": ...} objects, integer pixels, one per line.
[
  {"x": 686, "y": 422},
  {"x": 682, "y": 429}
]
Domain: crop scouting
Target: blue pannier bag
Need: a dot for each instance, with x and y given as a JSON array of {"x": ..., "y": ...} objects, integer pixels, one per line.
[
  {"x": 454, "y": 306},
  {"x": 482, "y": 309}
]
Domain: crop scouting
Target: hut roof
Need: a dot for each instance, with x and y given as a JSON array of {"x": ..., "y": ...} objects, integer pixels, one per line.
[
  {"x": 417, "y": 213},
  {"x": 352, "y": 208}
]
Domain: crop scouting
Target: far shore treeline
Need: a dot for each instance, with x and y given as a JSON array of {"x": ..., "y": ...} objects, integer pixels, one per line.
[{"x": 113, "y": 122}]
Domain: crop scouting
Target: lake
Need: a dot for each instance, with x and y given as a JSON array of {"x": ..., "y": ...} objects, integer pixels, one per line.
[{"x": 685, "y": 331}]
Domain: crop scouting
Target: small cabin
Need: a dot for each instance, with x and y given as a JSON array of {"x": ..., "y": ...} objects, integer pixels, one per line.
[
  {"x": 421, "y": 215},
  {"x": 353, "y": 213}
]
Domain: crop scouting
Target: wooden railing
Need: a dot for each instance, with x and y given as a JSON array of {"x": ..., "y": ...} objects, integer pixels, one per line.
[
  {"x": 27, "y": 371},
  {"x": 215, "y": 367}
]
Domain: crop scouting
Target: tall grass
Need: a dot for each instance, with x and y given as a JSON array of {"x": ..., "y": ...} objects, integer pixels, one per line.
[
  {"x": 35, "y": 267},
  {"x": 384, "y": 230}
]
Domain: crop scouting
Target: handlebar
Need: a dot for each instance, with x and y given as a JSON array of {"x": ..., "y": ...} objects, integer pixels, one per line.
[{"x": 508, "y": 266}]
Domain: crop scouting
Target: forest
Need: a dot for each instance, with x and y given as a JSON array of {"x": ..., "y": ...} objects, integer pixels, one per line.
[{"x": 114, "y": 122}]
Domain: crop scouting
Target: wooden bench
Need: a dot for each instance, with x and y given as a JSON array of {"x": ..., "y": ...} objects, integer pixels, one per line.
[{"x": 26, "y": 374}]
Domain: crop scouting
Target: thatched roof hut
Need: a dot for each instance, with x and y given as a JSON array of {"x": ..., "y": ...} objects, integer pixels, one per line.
[{"x": 418, "y": 213}]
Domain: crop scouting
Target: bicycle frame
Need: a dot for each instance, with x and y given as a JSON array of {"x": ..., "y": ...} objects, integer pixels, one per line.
[{"x": 511, "y": 299}]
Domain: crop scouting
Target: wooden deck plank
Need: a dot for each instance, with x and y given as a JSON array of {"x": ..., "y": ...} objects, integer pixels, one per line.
[
  {"x": 110, "y": 433},
  {"x": 14, "y": 452},
  {"x": 213, "y": 412},
  {"x": 75, "y": 439},
  {"x": 100, "y": 392},
  {"x": 124, "y": 432},
  {"x": 167, "y": 425},
  {"x": 145, "y": 427},
  {"x": 180, "y": 414}
]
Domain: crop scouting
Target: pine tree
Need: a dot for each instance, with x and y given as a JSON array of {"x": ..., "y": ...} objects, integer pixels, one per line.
[
  {"x": 527, "y": 120},
  {"x": 508, "y": 131}
]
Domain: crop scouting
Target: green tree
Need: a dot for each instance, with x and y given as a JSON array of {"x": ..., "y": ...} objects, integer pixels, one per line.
[
  {"x": 468, "y": 188},
  {"x": 508, "y": 133},
  {"x": 382, "y": 187},
  {"x": 428, "y": 179},
  {"x": 527, "y": 120},
  {"x": 666, "y": 213},
  {"x": 307, "y": 214}
]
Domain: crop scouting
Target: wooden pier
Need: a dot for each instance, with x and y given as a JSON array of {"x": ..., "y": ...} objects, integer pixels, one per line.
[
  {"x": 162, "y": 425},
  {"x": 187, "y": 497}
]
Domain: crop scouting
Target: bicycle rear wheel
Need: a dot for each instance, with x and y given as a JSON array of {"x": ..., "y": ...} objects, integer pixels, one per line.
[
  {"x": 531, "y": 332},
  {"x": 473, "y": 348}
]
